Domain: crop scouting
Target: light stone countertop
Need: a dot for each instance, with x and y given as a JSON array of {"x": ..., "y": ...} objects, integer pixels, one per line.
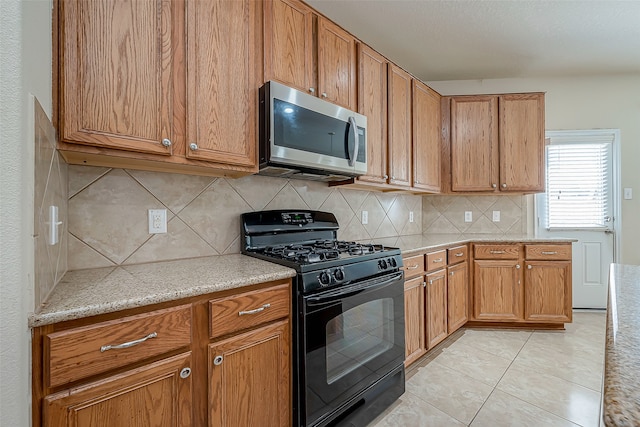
[
  {"x": 621, "y": 391},
  {"x": 84, "y": 293},
  {"x": 417, "y": 243}
]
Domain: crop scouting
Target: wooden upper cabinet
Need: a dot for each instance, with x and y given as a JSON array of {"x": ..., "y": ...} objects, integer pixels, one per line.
[
  {"x": 522, "y": 142},
  {"x": 222, "y": 81},
  {"x": 116, "y": 88},
  {"x": 399, "y": 122},
  {"x": 426, "y": 138},
  {"x": 474, "y": 143},
  {"x": 289, "y": 44},
  {"x": 336, "y": 64},
  {"x": 372, "y": 102},
  {"x": 309, "y": 52}
]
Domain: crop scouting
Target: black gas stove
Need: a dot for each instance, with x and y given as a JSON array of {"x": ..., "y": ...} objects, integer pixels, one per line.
[{"x": 307, "y": 242}]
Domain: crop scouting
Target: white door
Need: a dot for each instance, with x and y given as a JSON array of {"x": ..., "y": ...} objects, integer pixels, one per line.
[{"x": 579, "y": 204}]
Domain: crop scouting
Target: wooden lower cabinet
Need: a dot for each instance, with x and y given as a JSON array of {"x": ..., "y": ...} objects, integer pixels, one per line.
[
  {"x": 436, "y": 315},
  {"x": 414, "y": 336},
  {"x": 152, "y": 395},
  {"x": 547, "y": 287},
  {"x": 249, "y": 378},
  {"x": 497, "y": 290},
  {"x": 457, "y": 296}
]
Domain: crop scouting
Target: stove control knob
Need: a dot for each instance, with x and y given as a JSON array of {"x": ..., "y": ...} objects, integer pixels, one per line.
[
  {"x": 382, "y": 264},
  {"x": 338, "y": 274},
  {"x": 324, "y": 278},
  {"x": 392, "y": 262}
]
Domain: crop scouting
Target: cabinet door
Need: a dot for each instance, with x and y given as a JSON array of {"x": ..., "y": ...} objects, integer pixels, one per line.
[
  {"x": 414, "y": 319},
  {"x": 497, "y": 290},
  {"x": 288, "y": 44},
  {"x": 457, "y": 296},
  {"x": 522, "y": 142},
  {"x": 372, "y": 102},
  {"x": 436, "y": 297},
  {"x": 249, "y": 376},
  {"x": 221, "y": 81},
  {"x": 474, "y": 143},
  {"x": 426, "y": 138},
  {"x": 547, "y": 287},
  {"x": 399, "y": 102},
  {"x": 336, "y": 64},
  {"x": 115, "y": 76},
  {"x": 152, "y": 395}
]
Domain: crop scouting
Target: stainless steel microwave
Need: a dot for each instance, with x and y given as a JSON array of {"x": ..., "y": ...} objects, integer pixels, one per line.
[{"x": 302, "y": 136}]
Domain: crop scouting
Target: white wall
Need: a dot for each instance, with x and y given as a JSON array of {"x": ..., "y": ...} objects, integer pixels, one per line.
[
  {"x": 585, "y": 103},
  {"x": 25, "y": 67}
]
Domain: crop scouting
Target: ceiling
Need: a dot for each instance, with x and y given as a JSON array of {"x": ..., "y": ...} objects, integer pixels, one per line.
[{"x": 488, "y": 39}]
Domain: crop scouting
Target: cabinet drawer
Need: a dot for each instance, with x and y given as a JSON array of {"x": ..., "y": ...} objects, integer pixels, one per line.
[
  {"x": 413, "y": 266},
  {"x": 436, "y": 260},
  {"x": 248, "y": 309},
  {"x": 88, "y": 350},
  {"x": 552, "y": 252},
  {"x": 496, "y": 251},
  {"x": 457, "y": 254}
]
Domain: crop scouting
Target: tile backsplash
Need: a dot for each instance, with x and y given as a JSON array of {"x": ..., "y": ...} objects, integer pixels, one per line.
[
  {"x": 50, "y": 189},
  {"x": 108, "y": 223}
]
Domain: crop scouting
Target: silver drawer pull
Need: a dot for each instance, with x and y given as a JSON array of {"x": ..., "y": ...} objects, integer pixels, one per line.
[
  {"x": 254, "y": 311},
  {"x": 128, "y": 344},
  {"x": 412, "y": 267},
  {"x": 437, "y": 260},
  {"x": 549, "y": 252},
  {"x": 496, "y": 252},
  {"x": 459, "y": 254}
]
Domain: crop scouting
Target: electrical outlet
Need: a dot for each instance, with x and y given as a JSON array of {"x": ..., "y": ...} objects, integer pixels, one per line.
[
  {"x": 157, "y": 221},
  {"x": 628, "y": 193},
  {"x": 410, "y": 216},
  {"x": 365, "y": 217},
  {"x": 468, "y": 216},
  {"x": 496, "y": 216}
]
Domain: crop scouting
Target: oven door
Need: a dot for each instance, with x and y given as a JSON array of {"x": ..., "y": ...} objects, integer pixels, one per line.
[{"x": 354, "y": 336}]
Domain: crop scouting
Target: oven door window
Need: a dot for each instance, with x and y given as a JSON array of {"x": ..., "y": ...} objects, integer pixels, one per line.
[
  {"x": 351, "y": 341},
  {"x": 358, "y": 336}
]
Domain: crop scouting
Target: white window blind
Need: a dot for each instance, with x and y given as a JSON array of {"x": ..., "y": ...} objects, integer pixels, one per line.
[{"x": 577, "y": 184}]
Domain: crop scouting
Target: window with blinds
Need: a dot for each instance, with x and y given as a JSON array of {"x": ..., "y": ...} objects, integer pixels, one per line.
[{"x": 578, "y": 176}]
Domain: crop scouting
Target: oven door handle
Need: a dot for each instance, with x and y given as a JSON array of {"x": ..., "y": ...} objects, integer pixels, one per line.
[{"x": 341, "y": 293}]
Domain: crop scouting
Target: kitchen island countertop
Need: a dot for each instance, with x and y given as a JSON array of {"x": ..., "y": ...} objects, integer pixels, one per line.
[
  {"x": 84, "y": 293},
  {"x": 621, "y": 391}
]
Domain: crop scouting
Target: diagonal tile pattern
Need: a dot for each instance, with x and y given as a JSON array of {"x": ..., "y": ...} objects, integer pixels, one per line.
[{"x": 496, "y": 378}]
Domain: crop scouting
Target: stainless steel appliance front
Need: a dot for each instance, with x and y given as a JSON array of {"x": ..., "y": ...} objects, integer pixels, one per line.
[{"x": 304, "y": 135}]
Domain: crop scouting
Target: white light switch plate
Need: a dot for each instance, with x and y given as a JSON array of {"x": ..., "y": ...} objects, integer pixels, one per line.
[
  {"x": 496, "y": 216},
  {"x": 410, "y": 216},
  {"x": 157, "y": 221},
  {"x": 468, "y": 216},
  {"x": 628, "y": 193},
  {"x": 365, "y": 217}
]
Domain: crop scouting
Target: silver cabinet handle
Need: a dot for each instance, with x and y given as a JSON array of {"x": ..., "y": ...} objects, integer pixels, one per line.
[
  {"x": 459, "y": 254},
  {"x": 185, "y": 372},
  {"x": 312, "y": 90},
  {"x": 518, "y": 266},
  {"x": 431, "y": 282},
  {"x": 257, "y": 310},
  {"x": 128, "y": 344},
  {"x": 193, "y": 146},
  {"x": 324, "y": 94},
  {"x": 549, "y": 252},
  {"x": 386, "y": 177},
  {"x": 496, "y": 252},
  {"x": 218, "y": 360},
  {"x": 494, "y": 185},
  {"x": 356, "y": 139},
  {"x": 412, "y": 267},
  {"x": 424, "y": 284},
  {"x": 437, "y": 260},
  {"x": 529, "y": 267},
  {"x": 504, "y": 185},
  {"x": 166, "y": 142},
  {"x": 451, "y": 274}
]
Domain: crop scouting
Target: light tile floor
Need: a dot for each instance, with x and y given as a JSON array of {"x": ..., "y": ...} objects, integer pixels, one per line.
[{"x": 494, "y": 378}]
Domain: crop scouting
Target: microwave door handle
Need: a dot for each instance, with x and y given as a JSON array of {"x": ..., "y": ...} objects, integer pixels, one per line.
[{"x": 354, "y": 127}]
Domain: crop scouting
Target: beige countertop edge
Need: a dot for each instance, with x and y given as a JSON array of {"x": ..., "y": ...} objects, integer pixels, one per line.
[
  {"x": 85, "y": 293},
  {"x": 621, "y": 388},
  {"x": 416, "y": 244}
]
